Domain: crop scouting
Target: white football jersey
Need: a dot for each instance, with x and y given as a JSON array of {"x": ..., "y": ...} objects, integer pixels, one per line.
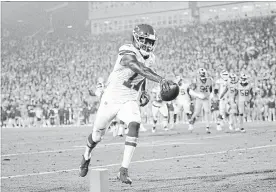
[
  {"x": 222, "y": 84},
  {"x": 183, "y": 91},
  {"x": 123, "y": 84}
]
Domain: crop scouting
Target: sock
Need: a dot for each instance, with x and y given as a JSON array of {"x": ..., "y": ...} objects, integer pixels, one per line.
[
  {"x": 90, "y": 146},
  {"x": 174, "y": 118},
  {"x": 130, "y": 145}
]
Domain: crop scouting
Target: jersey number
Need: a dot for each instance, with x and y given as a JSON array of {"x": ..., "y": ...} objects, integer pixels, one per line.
[
  {"x": 182, "y": 92},
  {"x": 129, "y": 83},
  {"x": 244, "y": 92},
  {"x": 204, "y": 89}
]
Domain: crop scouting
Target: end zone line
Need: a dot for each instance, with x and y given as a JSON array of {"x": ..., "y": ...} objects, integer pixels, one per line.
[{"x": 142, "y": 161}]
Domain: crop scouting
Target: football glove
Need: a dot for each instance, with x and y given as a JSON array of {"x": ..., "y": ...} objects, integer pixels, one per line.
[{"x": 144, "y": 99}]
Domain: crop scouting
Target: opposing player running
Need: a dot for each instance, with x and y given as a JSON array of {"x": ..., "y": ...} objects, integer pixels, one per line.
[
  {"x": 204, "y": 86},
  {"x": 245, "y": 94},
  {"x": 221, "y": 84},
  {"x": 122, "y": 94},
  {"x": 159, "y": 106},
  {"x": 184, "y": 99},
  {"x": 232, "y": 91}
]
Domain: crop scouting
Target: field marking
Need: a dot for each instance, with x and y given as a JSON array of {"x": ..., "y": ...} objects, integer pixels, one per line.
[
  {"x": 101, "y": 146},
  {"x": 142, "y": 161},
  {"x": 111, "y": 144},
  {"x": 63, "y": 140}
]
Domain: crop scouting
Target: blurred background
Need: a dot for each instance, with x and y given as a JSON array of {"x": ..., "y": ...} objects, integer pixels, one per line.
[{"x": 52, "y": 53}]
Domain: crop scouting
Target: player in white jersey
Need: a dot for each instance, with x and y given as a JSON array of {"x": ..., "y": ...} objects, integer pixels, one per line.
[
  {"x": 245, "y": 94},
  {"x": 221, "y": 85},
  {"x": 116, "y": 126},
  {"x": 184, "y": 100},
  {"x": 123, "y": 93},
  {"x": 204, "y": 86},
  {"x": 232, "y": 90},
  {"x": 159, "y": 106}
]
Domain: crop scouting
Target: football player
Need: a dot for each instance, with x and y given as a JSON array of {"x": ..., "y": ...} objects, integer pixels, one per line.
[
  {"x": 232, "y": 90},
  {"x": 245, "y": 94},
  {"x": 159, "y": 106},
  {"x": 116, "y": 126},
  {"x": 203, "y": 86},
  {"x": 122, "y": 93},
  {"x": 184, "y": 99},
  {"x": 221, "y": 84}
]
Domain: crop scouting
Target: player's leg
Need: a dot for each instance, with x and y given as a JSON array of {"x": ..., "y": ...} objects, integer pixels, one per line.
[
  {"x": 155, "y": 111},
  {"x": 221, "y": 116},
  {"x": 130, "y": 114},
  {"x": 105, "y": 114},
  {"x": 198, "y": 109},
  {"x": 207, "y": 111},
  {"x": 187, "y": 111},
  {"x": 241, "y": 116},
  {"x": 176, "y": 111},
  {"x": 165, "y": 113}
]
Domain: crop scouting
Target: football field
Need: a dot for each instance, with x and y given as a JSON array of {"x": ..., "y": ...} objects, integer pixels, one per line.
[{"x": 47, "y": 160}]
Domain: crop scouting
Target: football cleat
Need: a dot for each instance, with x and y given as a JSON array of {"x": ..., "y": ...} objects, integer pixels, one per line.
[
  {"x": 83, "y": 170},
  {"x": 191, "y": 127},
  {"x": 123, "y": 176},
  {"x": 242, "y": 130},
  {"x": 153, "y": 130}
]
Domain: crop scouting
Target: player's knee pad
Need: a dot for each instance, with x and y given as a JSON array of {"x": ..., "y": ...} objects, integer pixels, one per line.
[
  {"x": 96, "y": 136},
  {"x": 133, "y": 129}
]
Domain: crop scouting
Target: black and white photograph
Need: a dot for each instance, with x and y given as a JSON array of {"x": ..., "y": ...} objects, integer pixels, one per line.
[{"x": 138, "y": 96}]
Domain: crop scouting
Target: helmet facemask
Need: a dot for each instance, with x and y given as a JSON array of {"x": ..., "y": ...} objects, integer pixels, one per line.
[{"x": 145, "y": 44}]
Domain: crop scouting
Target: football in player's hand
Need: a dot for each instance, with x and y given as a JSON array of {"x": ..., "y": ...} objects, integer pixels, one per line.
[{"x": 171, "y": 93}]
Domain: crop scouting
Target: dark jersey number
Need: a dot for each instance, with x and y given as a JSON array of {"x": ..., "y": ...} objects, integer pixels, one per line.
[
  {"x": 182, "y": 92},
  {"x": 244, "y": 92},
  {"x": 129, "y": 83},
  {"x": 204, "y": 88}
]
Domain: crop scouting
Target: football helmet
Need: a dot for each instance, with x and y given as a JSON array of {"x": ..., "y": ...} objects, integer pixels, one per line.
[
  {"x": 144, "y": 38},
  {"x": 202, "y": 73},
  {"x": 233, "y": 78},
  {"x": 243, "y": 79},
  {"x": 224, "y": 75}
]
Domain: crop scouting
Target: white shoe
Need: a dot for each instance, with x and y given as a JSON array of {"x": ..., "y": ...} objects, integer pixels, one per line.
[
  {"x": 191, "y": 127},
  {"x": 142, "y": 128},
  {"x": 153, "y": 130},
  {"x": 166, "y": 129},
  {"x": 237, "y": 129},
  {"x": 219, "y": 127},
  {"x": 231, "y": 128}
]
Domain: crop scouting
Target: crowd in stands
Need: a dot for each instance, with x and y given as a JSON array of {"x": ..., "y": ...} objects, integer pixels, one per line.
[{"x": 50, "y": 81}]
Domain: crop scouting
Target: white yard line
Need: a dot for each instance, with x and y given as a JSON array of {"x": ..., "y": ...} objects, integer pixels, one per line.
[
  {"x": 142, "y": 161},
  {"x": 141, "y": 144}
]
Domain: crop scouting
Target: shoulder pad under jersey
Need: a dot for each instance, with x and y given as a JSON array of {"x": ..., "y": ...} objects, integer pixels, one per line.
[{"x": 128, "y": 49}]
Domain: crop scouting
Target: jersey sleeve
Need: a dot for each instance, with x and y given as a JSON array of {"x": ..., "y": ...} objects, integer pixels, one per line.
[{"x": 127, "y": 49}]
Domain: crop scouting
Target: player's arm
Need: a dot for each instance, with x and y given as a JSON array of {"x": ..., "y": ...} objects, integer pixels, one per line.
[
  {"x": 223, "y": 93},
  {"x": 131, "y": 62}
]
